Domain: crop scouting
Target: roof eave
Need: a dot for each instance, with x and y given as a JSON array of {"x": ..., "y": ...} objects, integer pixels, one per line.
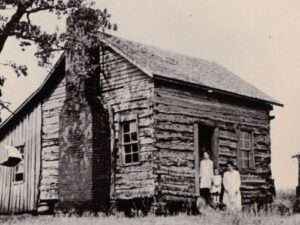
[
  {"x": 33, "y": 95},
  {"x": 157, "y": 76}
]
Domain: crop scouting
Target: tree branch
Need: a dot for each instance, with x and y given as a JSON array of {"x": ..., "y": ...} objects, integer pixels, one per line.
[
  {"x": 38, "y": 9},
  {"x": 4, "y": 106},
  {"x": 10, "y": 25}
]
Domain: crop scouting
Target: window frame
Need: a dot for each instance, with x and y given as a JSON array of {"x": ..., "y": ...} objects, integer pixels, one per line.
[
  {"x": 243, "y": 149},
  {"x": 22, "y": 162},
  {"x": 122, "y": 144}
]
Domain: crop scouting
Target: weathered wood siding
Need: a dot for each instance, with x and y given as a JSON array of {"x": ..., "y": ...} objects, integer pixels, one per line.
[
  {"x": 177, "y": 109},
  {"x": 128, "y": 92},
  {"x": 22, "y": 196},
  {"x": 51, "y": 107}
]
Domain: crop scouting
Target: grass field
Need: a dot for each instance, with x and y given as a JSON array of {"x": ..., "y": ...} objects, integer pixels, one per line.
[{"x": 208, "y": 217}]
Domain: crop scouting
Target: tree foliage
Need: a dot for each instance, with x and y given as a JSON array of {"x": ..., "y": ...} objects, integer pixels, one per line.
[{"x": 21, "y": 26}]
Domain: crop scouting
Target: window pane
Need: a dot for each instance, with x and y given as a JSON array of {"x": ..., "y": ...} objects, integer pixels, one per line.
[
  {"x": 135, "y": 148},
  {"x": 132, "y": 126},
  {"x": 19, "y": 177},
  {"x": 245, "y": 159},
  {"x": 20, "y": 168},
  {"x": 246, "y": 136},
  {"x": 126, "y": 138},
  {"x": 128, "y": 158},
  {"x": 133, "y": 136},
  {"x": 247, "y": 144},
  {"x": 135, "y": 157},
  {"x": 127, "y": 148},
  {"x": 245, "y": 141},
  {"x": 126, "y": 127}
]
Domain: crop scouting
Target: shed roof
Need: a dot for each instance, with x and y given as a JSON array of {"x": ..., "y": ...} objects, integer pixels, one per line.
[{"x": 158, "y": 62}]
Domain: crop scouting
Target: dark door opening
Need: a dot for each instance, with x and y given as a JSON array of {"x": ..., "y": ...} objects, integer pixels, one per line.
[{"x": 206, "y": 141}]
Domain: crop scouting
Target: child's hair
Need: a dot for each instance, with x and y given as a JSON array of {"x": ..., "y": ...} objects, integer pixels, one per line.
[{"x": 229, "y": 163}]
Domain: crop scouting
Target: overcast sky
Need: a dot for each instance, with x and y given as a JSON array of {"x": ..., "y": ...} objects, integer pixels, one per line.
[{"x": 257, "y": 40}]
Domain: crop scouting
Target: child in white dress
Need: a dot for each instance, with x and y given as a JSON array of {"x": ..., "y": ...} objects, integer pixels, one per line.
[{"x": 215, "y": 190}]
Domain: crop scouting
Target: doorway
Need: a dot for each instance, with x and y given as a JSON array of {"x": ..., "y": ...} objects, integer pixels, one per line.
[{"x": 205, "y": 138}]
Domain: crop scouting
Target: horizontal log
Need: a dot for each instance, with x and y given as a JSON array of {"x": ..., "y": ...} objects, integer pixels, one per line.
[
  {"x": 141, "y": 105},
  {"x": 133, "y": 184},
  {"x": 124, "y": 82},
  {"x": 184, "y": 93},
  {"x": 176, "y": 162},
  {"x": 220, "y": 107},
  {"x": 49, "y": 172},
  {"x": 51, "y": 112},
  {"x": 115, "y": 76},
  {"x": 135, "y": 193},
  {"x": 178, "y": 193},
  {"x": 175, "y": 145},
  {"x": 47, "y": 164},
  {"x": 56, "y": 103},
  {"x": 50, "y": 142},
  {"x": 170, "y": 153},
  {"x": 227, "y": 144},
  {"x": 176, "y": 188},
  {"x": 133, "y": 84},
  {"x": 176, "y": 171},
  {"x": 171, "y": 127},
  {"x": 181, "y": 181},
  {"x": 53, "y": 120},
  {"x": 50, "y": 136},
  {"x": 192, "y": 116},
  {"x": 51, "y": 128}
]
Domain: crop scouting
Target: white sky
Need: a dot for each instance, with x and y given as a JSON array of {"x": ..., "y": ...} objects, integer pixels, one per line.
[{"x": 257, "y": 40}]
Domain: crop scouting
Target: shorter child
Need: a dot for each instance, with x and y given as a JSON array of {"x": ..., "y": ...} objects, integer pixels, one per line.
[{"x": 215, "y": 190}]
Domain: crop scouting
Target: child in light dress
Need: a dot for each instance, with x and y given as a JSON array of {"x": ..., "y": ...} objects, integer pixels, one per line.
[{"x": 215, "y": 190}]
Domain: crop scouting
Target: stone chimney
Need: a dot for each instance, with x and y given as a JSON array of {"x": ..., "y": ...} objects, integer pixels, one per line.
[{"x": 84, "y": 154}]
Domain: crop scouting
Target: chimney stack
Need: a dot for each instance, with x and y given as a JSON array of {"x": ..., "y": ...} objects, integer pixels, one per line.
[{"x": 84, "y": 154}]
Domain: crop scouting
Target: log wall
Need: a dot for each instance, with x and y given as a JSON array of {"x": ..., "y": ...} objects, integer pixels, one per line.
[
  {"x": 51, "y": 107},
  {"x": 22, "y": 196},
  {"x": 177, "y": 109},
  {"x": 127, "y": 92}
]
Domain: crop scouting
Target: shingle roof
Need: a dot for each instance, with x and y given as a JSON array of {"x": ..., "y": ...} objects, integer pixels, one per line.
[{"x": 155, "y": 61}]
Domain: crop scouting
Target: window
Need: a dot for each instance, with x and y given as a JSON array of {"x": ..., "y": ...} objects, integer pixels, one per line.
[
  {"x": 245, "y": 155},
  {"x": 245, "y": 140},
  {"x": 130, "y": 142},
  {"x": 245, "y": 159},
  {"x": 20, "y": 168}
]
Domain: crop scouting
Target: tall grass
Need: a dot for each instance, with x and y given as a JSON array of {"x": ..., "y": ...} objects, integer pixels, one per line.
[{"x": 208, "y": 217}]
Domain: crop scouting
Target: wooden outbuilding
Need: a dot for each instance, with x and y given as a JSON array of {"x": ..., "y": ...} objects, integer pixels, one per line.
[
  {"x": 297, "y": 201},
  {"x": 134, "y": 130}
]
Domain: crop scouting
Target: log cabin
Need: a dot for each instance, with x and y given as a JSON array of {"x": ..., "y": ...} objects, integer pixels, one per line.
[{"x": 134, "y": 130}]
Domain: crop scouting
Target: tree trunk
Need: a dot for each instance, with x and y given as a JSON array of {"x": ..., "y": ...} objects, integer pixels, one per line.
[{"x": 10, "y": 25}]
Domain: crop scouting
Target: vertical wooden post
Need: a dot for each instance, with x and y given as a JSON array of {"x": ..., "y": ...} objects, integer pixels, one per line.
[
  {"x": 298, "y": 157},
  {"x": 113, "y": 152},
  {"x": 252, "y": 153},
  {"x": 239, "y": 162},
  {"x": 215, "y": 146},
  {"x": 197, "y": 160}
]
